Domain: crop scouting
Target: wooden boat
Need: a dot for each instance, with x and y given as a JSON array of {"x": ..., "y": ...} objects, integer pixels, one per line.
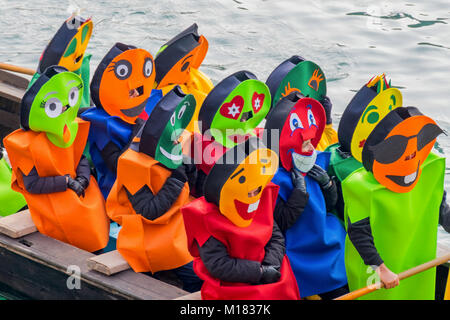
[{"x": 38, "y": 267}]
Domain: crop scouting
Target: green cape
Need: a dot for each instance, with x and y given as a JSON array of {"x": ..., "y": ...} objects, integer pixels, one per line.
[{"x": 11, "y": 201}]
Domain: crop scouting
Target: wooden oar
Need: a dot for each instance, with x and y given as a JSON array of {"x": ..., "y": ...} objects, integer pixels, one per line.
[
  {"x": 403, "y": 275},
  {"x": 10, "y": 67}
]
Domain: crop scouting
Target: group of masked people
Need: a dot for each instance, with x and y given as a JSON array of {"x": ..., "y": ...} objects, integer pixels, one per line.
[{"x": 242, "y": 188}]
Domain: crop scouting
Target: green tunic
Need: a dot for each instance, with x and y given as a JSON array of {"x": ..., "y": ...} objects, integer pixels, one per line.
[
  {"x": 340, "y": 166},
  {"x": 404, "y": 228},
  {"x": 10, "y": 201}
]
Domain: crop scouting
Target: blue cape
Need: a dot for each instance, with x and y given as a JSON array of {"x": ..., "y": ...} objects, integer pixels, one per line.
[
  {"x": 315, "y": 243},
  {"x": 104, "y": 129}
]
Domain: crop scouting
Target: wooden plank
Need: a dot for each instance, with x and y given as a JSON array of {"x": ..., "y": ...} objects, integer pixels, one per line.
[
  {"x": 39, "y": 267},
  {"x": 192, "y": 296},
  {"x": 10, "y": 92},
  {"x": 20, "y": 82},
  {"x": 17, "y": 225},
  {"x": 108, "y": 263}
]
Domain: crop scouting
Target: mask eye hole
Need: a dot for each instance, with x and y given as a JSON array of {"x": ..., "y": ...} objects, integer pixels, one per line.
[
  {"x": 53, "y": 107},
  {"x": 74, "y": 93},
  {"x": 148, "y": 67},
  {"x": 71, "y": 48},
  {"x": 427, "y": 134},
  {"x": 185, "y": 66},
  {"x": 311, "y": 119},
  {"x": 294, "y": 122},
  {"x": 172, "y": 119},
  {"x": 122, "y": 69},
  {"x": 391, "y": 149}
]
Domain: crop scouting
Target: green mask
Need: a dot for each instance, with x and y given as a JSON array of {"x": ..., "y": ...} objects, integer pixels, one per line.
[
  {"x": 234, "y": 108},
  {"x": 296, "y": 74},
  {"x": 51, "y": 105},
  {"x": 160, "y": 135}
]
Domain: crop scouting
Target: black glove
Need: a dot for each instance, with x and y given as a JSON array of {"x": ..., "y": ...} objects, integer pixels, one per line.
[
  {"x": 320, "y": 175},
  {"x": 327, "y": 105},
  {"x": 180, "y": 173},
  {"x": 298, "y": 180},
  {"x": 269, "y": 275},
  {"x": 83, "y": 181},
  {"x": 75, "y": 186}
]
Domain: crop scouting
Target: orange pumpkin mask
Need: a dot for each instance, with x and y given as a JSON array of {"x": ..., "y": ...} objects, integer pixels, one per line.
[
  {"x": 68, "y": 45},
  {"x": 237, "y": 180},
  {"x": 123, "y": 81},
  {"x": 398, "y": 146},
  {"x": 175, "y": 59}
]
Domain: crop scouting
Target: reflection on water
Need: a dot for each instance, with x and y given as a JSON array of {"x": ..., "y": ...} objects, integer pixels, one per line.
[{"x": 351, "y": 41}]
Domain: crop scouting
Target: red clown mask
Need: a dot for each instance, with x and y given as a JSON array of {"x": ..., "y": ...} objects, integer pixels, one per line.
[{"x": 297, "y": 119}]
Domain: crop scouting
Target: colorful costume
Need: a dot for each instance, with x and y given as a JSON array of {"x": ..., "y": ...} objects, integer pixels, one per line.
[
  {"x": 150, "y": 190},
  {"x": 48, "y": 167},
  {"x": 366, "y": 109},
  {"x": 237, "y": 247},
  {"x": 11, "y": 201},
  {"x": 228, "y": 116},
  {"x": 306, "y": 77},
  {"x": 177, "y": 63},
  {"x": 395, "y": 201},
  {"x": 67, "y": 49},
  {"x": 120, "y": 89},
  {"x": 314, "y": 237}
]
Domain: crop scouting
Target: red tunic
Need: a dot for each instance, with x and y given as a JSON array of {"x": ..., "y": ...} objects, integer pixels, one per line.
[{"x": 202, "y": 220}]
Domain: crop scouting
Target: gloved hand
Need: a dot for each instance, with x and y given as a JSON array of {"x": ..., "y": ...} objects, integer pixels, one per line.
[
  {"x": 327, "y": 105},
  {"x": 180, "y": 173},
  {"x": 298, "y": 180},
  {"x": 320, "y": 175},
  {"x": 75, "y": 186},
  {"x": 269, "y": 275},
  {"x": 83, "y": 181}
]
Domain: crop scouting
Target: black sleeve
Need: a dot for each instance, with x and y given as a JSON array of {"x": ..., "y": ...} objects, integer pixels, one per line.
[
  {"x": 331, "y": 196},
  {"x": 152, "y": 206},
  {"x": 110, "y": 155},
  {"x": 199, "y": 183},
  {"x": 360, "y": 234},
  {"x": 38, "y": 185},
  {"x": 287, "y": 213},
  {"x": 220, "y": 265},
  {"x": 275, "y": 248},
  {"x": 444, "y": 214},
  {"x": 83, "y": 169},
  {"x": 340, "y": 205}
]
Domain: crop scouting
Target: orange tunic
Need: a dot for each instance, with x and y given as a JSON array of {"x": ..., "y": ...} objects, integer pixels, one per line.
[
  {"x": 147, "y": 245},
  {"x": 79, "y": 221}
]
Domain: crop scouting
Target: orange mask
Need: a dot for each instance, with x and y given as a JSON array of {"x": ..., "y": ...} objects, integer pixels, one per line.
[
  {"x": 175, "y": 59},
  {"x": 123, "y": 81},
  {"x": 237, "y": 180},
  {"x": 398, "y": 146}
]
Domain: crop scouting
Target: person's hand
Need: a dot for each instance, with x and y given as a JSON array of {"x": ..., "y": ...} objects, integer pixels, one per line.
[
  {"x": 269, "y": 274},
  {"x": 327, "y": 105},
  {"x": 387, "y": 277},
  {"x": 83, "y": 181},
  {"x": 75, "y": 186},
  {"x": 320, "y": 175},
  {"x": 298, "y": 180},
  {"x": 180, "y": 173}
]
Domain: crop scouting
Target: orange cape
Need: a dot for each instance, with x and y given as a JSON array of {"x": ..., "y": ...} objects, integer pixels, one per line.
[
  {"x": 79, "y": 221},
  {"x": 147, "y": 245}
]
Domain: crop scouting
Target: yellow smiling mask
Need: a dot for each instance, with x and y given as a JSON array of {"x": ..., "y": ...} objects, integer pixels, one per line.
[{"x": 367, "y": 108}]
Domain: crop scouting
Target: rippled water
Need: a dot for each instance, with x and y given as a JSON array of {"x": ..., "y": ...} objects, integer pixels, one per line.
[{"x": 350, "y": 40}]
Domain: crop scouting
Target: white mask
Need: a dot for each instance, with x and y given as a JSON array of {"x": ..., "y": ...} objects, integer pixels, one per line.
[{"x": 304, "y": 163}]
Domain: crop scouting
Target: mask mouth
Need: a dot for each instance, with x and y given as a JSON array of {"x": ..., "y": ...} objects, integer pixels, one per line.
[
  {"x": 78, "y": 59},
  {"x": 136, "y": 92},
  {"x": 66, "y": 134},
  {"x": 246, "y": 211},
  {"x": 246, "y": 116},
  {"x": 254, "y": 192},
  {"x": 135, "y": 111},
  {"x": 303, "y": 163},
  {"x": 405, "y": 181}
]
